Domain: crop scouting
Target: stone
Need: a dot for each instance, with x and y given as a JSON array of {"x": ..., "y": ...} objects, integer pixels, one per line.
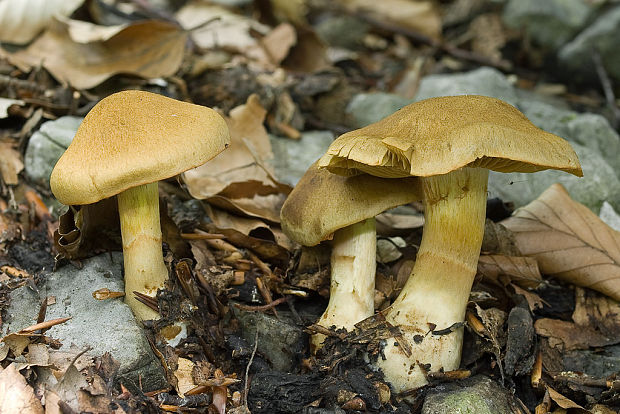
[
  {"x": 46, "y": 146},
  {"x": 482, "y": 81},
  {"x": 342, "y": 31},
  {"x": 105, "y": 326},
  {"x": 366, "y": 108},
  {"x": 603, "y": 35},
  {"x": 609, "y": 216},
  {"x": 599, "y": 363},
  {"x": 475, "y": 395},
  {"x": 280, "y": 340},
  {"x": 291, "y": 158},
  {"x": 549, "y": 23}
]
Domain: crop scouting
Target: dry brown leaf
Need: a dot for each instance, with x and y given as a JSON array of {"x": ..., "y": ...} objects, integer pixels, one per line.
[
  {"x": 597, "y": 311},
  {"x": 571, "y": 335},
  {"x": 278, "y": 42},
  {"x": 561, "y": 400},
  {"x": 148, "y": 49},
  {"x": 420, "y": 16},
  {"x": 501, "y": 269},
  {"x": 22, "y": 20},
  {"x": 16, "y": 343},
  {"x": 569, "y": 241},
  {"x": 533, "y": 300},
  {"x": 226, "y": 29},
  {"x": 264, "y": 207},
  {"x": 11, "y": 163},
  {"x": 16, "y": 396},
  {"x": 241, "y": 171},
  {"x": 183, "y": 374}
]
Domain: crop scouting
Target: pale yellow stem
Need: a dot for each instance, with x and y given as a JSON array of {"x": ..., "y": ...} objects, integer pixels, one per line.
[
  {"x": 145, "y": 271},
  {"x": 352, "y": 288},
  {"x": 436, "y": 294}
]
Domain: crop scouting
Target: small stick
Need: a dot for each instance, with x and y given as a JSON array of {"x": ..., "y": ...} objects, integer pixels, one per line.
[{"x": 261, "y": 308}]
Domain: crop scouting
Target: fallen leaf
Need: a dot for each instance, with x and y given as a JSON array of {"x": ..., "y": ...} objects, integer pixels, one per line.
[
  {"x": 16, "y": 396},
  {"x": 16, "y": 343},
  {"x": 266, "y": 207},
  {"x": 561, "y": 400},
  {"x": 420, "y": 16},
  {"x": 597, "y": 311},
  {"x": 86, "y": 32},
  {"x": 22, "y": 20},
  {"x": 501, "y": 269},
  {"x": 571, "y": 335},
  {"x": 241, "y": 170},
  {"x": 11, "y": 163},
  {"x": 149, "y": 49},
  {"x": 183, "y": 374},
  {"x": 225, "y": 30},
  {"x": 278, "y": 42},
  {"x": 533, "y": 300},
  {"x": 568, "y": 241}
]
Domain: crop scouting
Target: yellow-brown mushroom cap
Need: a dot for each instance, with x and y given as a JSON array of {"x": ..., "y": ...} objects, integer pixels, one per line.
[
  {"x": 439, "y": 135},
  {"x": 322, "y": 202},
  {"x": 132, "y": 138}
]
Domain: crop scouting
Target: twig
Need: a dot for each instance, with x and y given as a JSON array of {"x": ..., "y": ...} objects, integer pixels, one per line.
[
  {"x": 608, "y": 89},
  {"x": 261, "y": 308},
  {"x": 247, "y": 371}
]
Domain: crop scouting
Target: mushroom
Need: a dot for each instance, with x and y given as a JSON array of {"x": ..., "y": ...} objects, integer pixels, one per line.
[
  {"x": 126, "y": 144},
  {"x": 449, "y": 143},
  {"x": 323, "y": 204}
]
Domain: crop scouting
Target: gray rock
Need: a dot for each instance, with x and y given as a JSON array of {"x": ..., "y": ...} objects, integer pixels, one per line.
[
  {"x": 280, "y": 341},
  {"x": 609, "y": 216},
  {"x": 46, "y": 146},
  {"x": 599, "y": 183},
  {"x": 366, "y": 108},
  {"x": 476, "y": 395},
  {"x": 482, "y": 81},
  {"x": 106, "y": 326},
  {"x": 291, "y": 158},
  {"x": 549, "y": 23},
  {"x": 603, "y": 36},
  {"x": 342, "y": 31},
  {"x": 599, "y": 363}
]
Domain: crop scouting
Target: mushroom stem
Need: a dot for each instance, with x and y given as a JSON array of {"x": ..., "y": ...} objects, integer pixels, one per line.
[
  {"x": 145, "y": 271},
  {"x": 435, "y": 296},
  {"x": 352, "y": 288}
]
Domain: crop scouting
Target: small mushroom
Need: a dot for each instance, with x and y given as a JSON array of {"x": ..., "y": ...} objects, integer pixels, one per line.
[
  {"x": 450, "y": 144},
  {"x": 323, "y": 204},
  {"x": 126, "y": 144}
]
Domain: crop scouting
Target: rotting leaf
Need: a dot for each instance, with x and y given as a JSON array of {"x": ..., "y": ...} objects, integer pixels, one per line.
[
  {"x": 562, "y": 401},
  {"x": 500, "y": 269},
  {"x": 149, "y": 49},
  {"x": 569, "y": 241},
  {"x": 16, "y": 396}
]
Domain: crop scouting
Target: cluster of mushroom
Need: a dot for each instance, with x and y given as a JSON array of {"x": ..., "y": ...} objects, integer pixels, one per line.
[
  {"x": 126, "y": 144},
  {"x": 438, "y": 151}
]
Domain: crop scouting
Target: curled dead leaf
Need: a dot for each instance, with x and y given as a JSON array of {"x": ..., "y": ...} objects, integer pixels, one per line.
[
  {"x": 149, "y": 49},
  {"x": 569, "y": 241},
  {"x": 105, "y": 293}
]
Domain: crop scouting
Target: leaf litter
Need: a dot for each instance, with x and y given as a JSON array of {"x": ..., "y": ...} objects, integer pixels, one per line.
[{"x": 269, "y": 71}]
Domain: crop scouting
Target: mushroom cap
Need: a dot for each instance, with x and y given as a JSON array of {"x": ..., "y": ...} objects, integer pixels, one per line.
[
  {"x": 322, "y": 202},
  {"x": 132, "y": 138},
  {"x": 439, "y": 135}
]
